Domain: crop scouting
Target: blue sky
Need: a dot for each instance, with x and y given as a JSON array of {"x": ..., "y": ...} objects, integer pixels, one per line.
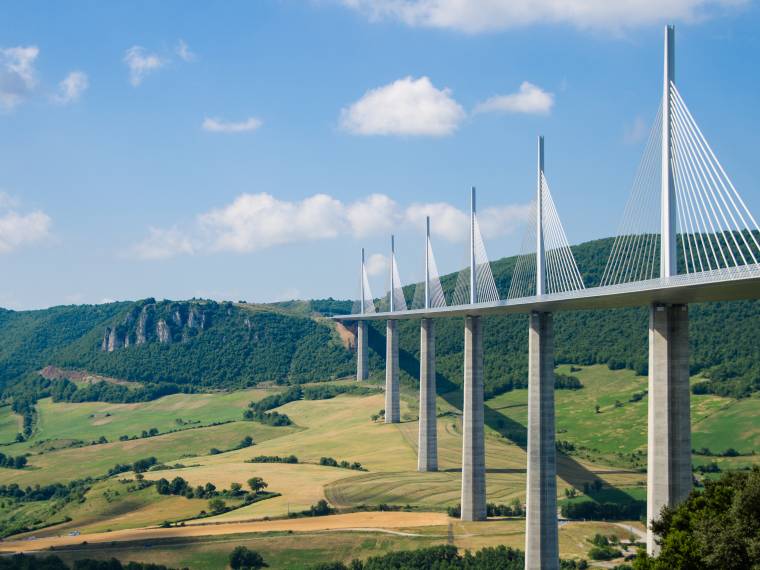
[{"x": 247, "y": 150}]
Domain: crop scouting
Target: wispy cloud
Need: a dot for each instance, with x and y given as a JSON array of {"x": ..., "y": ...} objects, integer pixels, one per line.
[
  {"x": 407, "y": 107},
  {"x": 216, "y": 125},
  {"x": 141, "y": 63},
  {"x": 18, "y": 76},
  {"x": 475, "y": 16},
  {"x": 19, "y": 229},
  {"x": 530, "y": 99},
  {"x": 71, "y": 88},
  {"x": 255, "y": 222},
  {"x": 163, "y": 243},
  {"x": 183, "y": 51}
]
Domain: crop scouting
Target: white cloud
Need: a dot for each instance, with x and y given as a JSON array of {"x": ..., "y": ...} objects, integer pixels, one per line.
[
  {"x": 19, "y": 229},
  {"x": 446, "y": 221},
  {"x": 254, "y": 222},
  {"x": 183, "y": 51},
  {"x": 453, "y": 224},
  {"x": 215, "y": 125},
  {"x": 259, "y": 221},
  {"x": 18, "y": 76},
  {"x": 473, "y": 16},
  {"x": 373, "y": 215},
  {"x": 407, "y": 106},
  {"x": 141, "y": 63},
  {"x": 71, "y": 88},
  {"x": 530, "y": 99},
  {"x": 376, "y": 264},
  {"x": 163, "y": 243}
]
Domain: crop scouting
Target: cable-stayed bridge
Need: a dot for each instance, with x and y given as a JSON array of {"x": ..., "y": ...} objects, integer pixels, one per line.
[{"x": 686, "y": 236}]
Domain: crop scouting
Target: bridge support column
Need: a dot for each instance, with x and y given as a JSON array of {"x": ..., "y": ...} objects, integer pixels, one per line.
[
  {"x": 541, "y": 531},
  {"x": 473, "y": 442},
  {"x": 427, "y": 452},
  {"x": 362, "y": 370},
  {"x": 392, "y": 410},
  {"x": 669, "y": 431}
]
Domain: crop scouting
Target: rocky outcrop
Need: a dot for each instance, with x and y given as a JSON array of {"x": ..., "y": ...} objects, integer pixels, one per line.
[
  {"x": 163, "y": 332},
  {"x": 164, "y": 322},
  {"x": 142, "y": 326}
]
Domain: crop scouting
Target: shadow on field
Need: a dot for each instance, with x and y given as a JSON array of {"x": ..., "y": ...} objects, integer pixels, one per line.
[{"x": 568, "y": 468}]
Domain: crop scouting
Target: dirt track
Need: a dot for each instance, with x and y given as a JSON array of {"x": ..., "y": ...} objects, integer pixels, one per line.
[{"x": 379, "y": 521}]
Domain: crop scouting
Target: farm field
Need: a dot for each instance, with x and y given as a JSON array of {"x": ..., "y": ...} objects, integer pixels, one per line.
[{"x": 341, "y": 428}]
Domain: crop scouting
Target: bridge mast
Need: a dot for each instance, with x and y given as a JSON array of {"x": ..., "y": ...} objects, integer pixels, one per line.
[
  {"x": 473, "y": 279},
  {"x": 362, "y": 370},
  {"x": 540, "y": 262},
  {"x": 668, "y": 199}
]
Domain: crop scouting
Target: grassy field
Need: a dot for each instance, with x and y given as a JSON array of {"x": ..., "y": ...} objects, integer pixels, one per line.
[
  {"x": 608, "y": 446},
  {"x": 301, "y": 550},
  {"x": 10, "y": 425},
  {"x": 88, "y": 421},
  {"x": 718, "y": 423}
]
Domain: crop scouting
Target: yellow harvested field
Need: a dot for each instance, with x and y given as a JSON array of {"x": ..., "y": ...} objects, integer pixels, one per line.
[{"x": 366, "y": 521}]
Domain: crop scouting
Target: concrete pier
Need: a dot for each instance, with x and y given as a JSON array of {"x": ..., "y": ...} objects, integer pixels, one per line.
[
  {"x": 473, "y": 443},
  {"x": 669, "y": 474},
  {"x": 362, "y": 369},
  {"x": 541, "y": 531},
  {"x": 427, "y": 453},
  {"x": 392, "y": 411}
]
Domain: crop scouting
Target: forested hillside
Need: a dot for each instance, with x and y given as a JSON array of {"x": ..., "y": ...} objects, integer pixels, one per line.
[{"x": 202, "y": 344}]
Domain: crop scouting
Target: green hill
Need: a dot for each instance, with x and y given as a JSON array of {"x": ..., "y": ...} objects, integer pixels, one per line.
[{"x": 199, "y": 344}]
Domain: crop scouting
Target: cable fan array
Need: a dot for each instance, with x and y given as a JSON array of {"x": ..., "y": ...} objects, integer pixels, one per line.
[
  {"x": 436, "y": 297},
  {"x": 635, "y": 254},
  {"x": 485, "y": 286},
  {"x": 365, "y": 303},
  {"x": 717, "y": 230},
  {"x": 714, "y": 228},
  {"x": 560, "y": 270}
]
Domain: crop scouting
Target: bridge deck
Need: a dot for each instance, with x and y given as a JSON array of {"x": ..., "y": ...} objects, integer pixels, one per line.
[{"x": 721, "y": 285}]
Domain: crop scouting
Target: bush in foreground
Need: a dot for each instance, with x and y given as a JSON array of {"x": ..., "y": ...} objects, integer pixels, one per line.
[
  {"x": 715, "y": 528},
  {"x": 244, "y": 559}
]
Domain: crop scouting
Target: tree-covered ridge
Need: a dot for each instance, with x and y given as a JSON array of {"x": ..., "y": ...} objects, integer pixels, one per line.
[
  {"x": 204, "y": 344},
  {"x": 229, "y": 345}
]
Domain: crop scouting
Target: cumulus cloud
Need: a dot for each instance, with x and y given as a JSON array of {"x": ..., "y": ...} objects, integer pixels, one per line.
[
  {"x": 20, "y": 229},
  {"x": 530, "y": 99},
  {"x": 215, "y": 125},
  {"x": 373, "y": 215},
  {"x": 254, "y": 222},
  {"x": 473, "y": 16},
  {"x": 259, "y": 221},
  {"x": 183, "y": 51},
  {"x": 408, "y": 106},
  {"x": 18, "y": 76},
  {"x": 141, "y": 63},
  {"x": 452, "y": 224},
  {"x": 71, "y": 88},
  {"x": 163, "y": 243},
  {"x": 376, "y": 264}
]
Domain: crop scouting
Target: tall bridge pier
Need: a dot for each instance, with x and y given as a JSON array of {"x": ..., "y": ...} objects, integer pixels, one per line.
[{"x": 473, "y": 502}]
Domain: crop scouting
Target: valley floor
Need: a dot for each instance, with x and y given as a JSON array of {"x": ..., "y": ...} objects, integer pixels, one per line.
[{"x": 199, "y": 437}]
